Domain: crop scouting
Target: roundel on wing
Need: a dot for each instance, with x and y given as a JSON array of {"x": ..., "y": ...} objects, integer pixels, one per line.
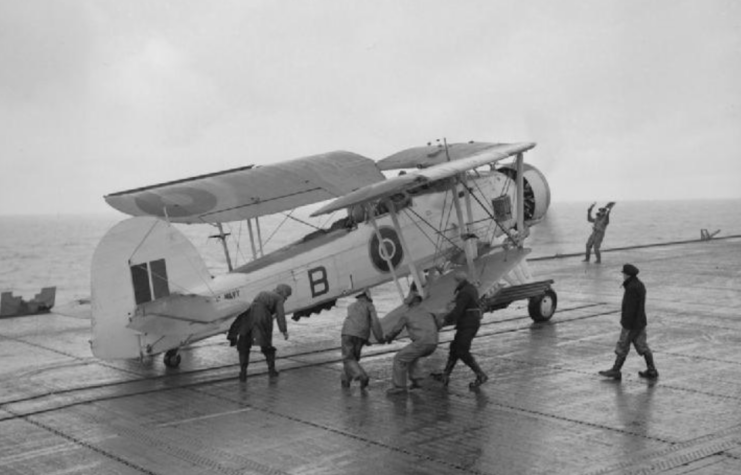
[
  {"x": 179, "y": 202},
  {"x": 391, "y": 247}
]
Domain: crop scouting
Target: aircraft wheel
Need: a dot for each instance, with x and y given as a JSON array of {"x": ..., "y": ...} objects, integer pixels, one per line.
[
  {"x": 172, "y": 358},
  {"x": 542, "y": 307}
]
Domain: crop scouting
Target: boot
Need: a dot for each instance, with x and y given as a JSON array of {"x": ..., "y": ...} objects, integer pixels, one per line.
[
  {"x": 270, "y": 360},
  {"x": 394, "y": 390},
  {"x": 587, "y": 256},
  {"x": 445, "y": 376},
  {"x": 615, "y": 373},
  {"x": 598, "y": 256},
  {"x": 481, "y": 377},
  {"x": 244, "y": 361},
  {"x": 650, "y": 372},
  {"x": 272, "y": 372}
]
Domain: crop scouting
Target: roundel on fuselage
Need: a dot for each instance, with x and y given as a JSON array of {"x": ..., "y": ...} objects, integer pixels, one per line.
[{"x": 391, "y": 246}]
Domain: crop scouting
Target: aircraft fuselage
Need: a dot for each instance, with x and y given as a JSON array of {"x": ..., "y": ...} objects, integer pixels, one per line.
[{"x": 343, "y": 261}]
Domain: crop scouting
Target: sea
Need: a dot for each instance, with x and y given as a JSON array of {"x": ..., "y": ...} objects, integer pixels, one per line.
[{"x": 56, "y": 250}]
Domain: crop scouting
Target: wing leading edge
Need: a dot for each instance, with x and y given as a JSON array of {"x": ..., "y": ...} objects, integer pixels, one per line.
[
  {"x": 250, "y": 192},
  {"x": 441, "y": 170}
]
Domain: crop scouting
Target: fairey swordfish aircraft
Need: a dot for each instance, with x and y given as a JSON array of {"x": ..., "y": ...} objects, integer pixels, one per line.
[{"x": 465, "y": 206}]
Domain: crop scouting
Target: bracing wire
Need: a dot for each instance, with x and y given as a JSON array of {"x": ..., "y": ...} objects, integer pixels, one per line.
[
  {"x": 172, "y": 283},
  {"x": 238, "y": 245},
  {"x": 422, "y": 219},
  {"x": 303, "y": 222},
  {"x": 485, "y": 208},
  {"x": 144, "y": 238},
  {"x": 277, "y": 228}
]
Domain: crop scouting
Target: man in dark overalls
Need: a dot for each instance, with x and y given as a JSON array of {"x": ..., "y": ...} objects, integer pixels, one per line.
[
  {"x": 466, "y": 316},
  {"x": 256, "y": 326}
]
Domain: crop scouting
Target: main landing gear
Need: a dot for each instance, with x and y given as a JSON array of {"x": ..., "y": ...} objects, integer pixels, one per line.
[
  {"x": 542, "y": 307},
  {"x": 172, "y": 358},
  {"x": 542, "y": 299}
]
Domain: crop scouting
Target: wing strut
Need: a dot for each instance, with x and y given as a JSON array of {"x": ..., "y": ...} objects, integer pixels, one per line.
[
  {"x": 412, "y": 266},
  {"x": 520, "y": 202},
  {"x": 259, "y": 235},
  {"x": 463, "y": 231},
  {"x": 222, "y": 237},
  {"x": 471, "y": 238},
  {"x": 252, "y": 239},
  {"x": 463, "y": 226},
  {"x": 382, "y": 248}
]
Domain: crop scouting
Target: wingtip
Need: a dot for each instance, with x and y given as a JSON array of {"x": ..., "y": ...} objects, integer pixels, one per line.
[
  {"x": 323, "y": 210},
  {"x": 526, "y": 145}
]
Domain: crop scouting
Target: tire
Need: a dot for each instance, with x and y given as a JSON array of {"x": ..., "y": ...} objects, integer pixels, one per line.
[
  {"x": 172, "y": 359},
  {"x": 542, "y": 307}
]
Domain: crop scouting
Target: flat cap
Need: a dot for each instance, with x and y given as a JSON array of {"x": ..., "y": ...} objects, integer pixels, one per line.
[{"x": 630, "y": 269}]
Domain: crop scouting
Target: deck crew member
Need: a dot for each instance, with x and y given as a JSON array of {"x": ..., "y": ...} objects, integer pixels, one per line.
[
  {"x": 601, "y": 220},
  {"x": 466, "y": 316},
  {"x": 633, "y": 323},
  {"x": 256, "y": 326},
  {"x": 360, "y": 321},
  {"x": 422, "y": 328}
]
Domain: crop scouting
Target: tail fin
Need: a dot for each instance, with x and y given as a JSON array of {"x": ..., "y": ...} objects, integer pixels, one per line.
[{"x": 137, "y": 261}]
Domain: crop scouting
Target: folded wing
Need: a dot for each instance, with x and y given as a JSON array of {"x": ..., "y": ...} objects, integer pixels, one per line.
[
  {"x": 440, "y": 169},
  {"x": 252, "y": 191}
]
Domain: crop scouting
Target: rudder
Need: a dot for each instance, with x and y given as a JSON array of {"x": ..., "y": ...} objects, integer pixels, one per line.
[{"x": 138, "y": 260}]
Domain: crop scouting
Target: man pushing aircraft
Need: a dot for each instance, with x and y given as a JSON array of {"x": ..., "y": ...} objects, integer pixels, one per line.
[{"x": 256, "y": 325}]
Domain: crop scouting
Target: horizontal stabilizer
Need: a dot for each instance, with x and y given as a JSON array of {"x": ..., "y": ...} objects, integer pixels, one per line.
[
  {"x": 440, "y": 293},
  {"x": 183, "y": 314},
  {"x": 79, "y": 308},
  {"x": 154, "y": 324}
]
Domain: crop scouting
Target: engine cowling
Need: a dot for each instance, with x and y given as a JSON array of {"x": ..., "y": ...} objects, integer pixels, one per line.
[{"x": 537, "y": 192}]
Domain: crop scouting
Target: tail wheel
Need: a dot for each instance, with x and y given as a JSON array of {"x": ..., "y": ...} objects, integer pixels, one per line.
[
  {"x": 542, "y": 307},
  {"x": 172, "y": 358}
]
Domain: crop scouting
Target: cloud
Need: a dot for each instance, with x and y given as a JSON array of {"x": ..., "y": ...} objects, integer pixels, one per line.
[
  {"x": 43, "y": 61},
  {"x": 620, "y": 96}
]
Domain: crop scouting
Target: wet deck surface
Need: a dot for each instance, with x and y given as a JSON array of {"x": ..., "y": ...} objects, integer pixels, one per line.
[{"x": 544, "y": 410}]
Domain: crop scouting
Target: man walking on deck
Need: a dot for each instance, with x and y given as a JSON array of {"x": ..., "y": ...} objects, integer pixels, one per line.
[
  {"x": 360, "y": 321},
  {"x": 256, "y": 326},
  {"x": 466, "y": 315},
  {"x": 422, "y": 328},
  {"x": 601, "y": 220},
  {"x": 633, "y": 322}
]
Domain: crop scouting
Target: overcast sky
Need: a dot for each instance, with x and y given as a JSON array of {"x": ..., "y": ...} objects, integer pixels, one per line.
[{"x": 626, "y": 99}]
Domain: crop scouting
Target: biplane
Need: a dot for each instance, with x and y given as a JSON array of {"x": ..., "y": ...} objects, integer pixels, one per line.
[{"x": 444, "y": 207}]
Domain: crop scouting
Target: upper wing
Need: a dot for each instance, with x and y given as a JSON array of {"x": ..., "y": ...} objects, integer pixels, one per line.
[
  {"x": 423, "y": 157},
  {"x": 249, "y": 192},
  {"x": 417, "y": 178}
]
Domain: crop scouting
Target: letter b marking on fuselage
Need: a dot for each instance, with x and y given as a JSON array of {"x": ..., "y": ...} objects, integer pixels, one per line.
[{"x": 318, "y": 281}]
